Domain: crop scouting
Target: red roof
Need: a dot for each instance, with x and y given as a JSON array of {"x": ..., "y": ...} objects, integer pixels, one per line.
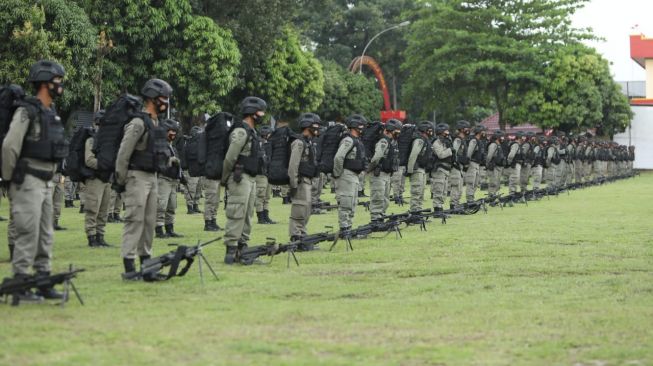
[
  {"x": 641, "y": 48},
  {"x": 492, "y": 123}
]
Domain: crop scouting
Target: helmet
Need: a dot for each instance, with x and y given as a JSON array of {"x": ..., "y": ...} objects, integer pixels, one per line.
[
  {"x": 530, "y": 134},
  {"x": 98, "y": 115},
  {"x": 251, "y": 105},
  {"x": 519, "y": 134},
  {"x": 462, "y": 124},
  {"x": 393, "y": 125},
  {"x": 307, "y": 120},
  {"x": 478, "y": 129},
  {"x": 356, "y": 121},
  {"x": 441, "y": 127},
  {"x": 265, "y": 130},
  {"x": 195, "y": 130},
  {"x": 44, "y": 70},
  {"x": 155, "y": 88},
  {"x": 425, "y": 126},
  {"x": 498, "y": 133},
  {"x": 170, "y": 124}
]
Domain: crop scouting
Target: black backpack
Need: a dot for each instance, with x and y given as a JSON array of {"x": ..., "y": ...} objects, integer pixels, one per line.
[
  {"x": 214, "y": 144},
  {"x": 191, "y": 154},
  {"x": 279, "y": 158},
  {"x": 110, "y": 131},
  {"x": 328, "y": 144},
  {"x": 10, "y": 95},
  {"x": 75, "y": 165},
  {"x": 405, "y": 143},
  {"x": 371, "y": 135}
]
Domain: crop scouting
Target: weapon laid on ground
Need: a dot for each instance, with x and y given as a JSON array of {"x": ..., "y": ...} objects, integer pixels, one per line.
[
  {"x": 378, "y": 226},
  {"x": 173, "y": 259},
  {"x": 323, "y": 205},
  {"x": 248, "y": 255},
  {"x": 14, "y": 286},
  {"x": 365, "y": 204}
]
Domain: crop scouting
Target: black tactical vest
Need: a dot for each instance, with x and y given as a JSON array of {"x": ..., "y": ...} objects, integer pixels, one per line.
[
  {"x": 358, "y": 164},
  {"x": 478, "y": 156},
  {"x": 250, "y": 162},
  {"x": 51, "y": 144},
  {"x": 172, "y": 172},
  {"x": 157, "y": 153},
  {"x": 308, "y": 163},
  {"x": 264, "y": 154},
  {"x": 447, "y": 162},
  {"x": 390, "y": 163},
  {"x": 519, "y": 156}
]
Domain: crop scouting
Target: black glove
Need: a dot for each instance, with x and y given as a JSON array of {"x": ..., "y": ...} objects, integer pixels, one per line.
[{"x": 117, "y": 187}]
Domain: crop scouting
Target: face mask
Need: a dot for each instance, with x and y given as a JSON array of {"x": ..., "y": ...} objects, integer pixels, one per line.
[{"x": 55, "y": 89}]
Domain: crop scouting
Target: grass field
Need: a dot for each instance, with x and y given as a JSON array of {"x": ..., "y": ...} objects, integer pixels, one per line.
[{"x": 564, "y": 281}]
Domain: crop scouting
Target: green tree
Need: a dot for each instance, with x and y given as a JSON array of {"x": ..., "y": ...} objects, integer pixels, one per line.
[
  {"x": 490, "y": 48},
  {"x": 47, "y": 29},
  {"x": 347, "y": 93},
  {"x": 292, "y": 80}
]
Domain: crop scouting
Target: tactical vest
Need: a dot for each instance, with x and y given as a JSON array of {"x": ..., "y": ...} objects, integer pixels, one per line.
[
  {"x": 390, "y": 163},
  {"x": 157, "y": 153},
  {"x": 499, "y": 155},
  {"x": 308, "y": 166},
  {"x": 571, "y": 153},
  {"x": 529, "y": 156},
  {"x": 51, "y": 144},
  {"x": 172, "y": 171},
  {"x": 264, "y": 154},
  {"x": 519, "y": 157},
  {"x": 357, "y": 164},
  {"x": 538, "y": 156},
  {"x": 425, "y": 157},
  {"x": 478, "y": 156},
  {"x": 250, "y": 162},
  {"x": 447, "y": 162},
  {"x": 461, "y": 153},
  {"x": 556, "y": 157}
]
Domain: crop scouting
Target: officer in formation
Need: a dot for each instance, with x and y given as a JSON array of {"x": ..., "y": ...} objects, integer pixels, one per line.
[
  {"x": 514, "y": 159},
  {"x": 399, "y": 179},
  {"x": 193, "y": 187},
  {"x": 493, "y": 162},
  {"x": 57, "y": 197},
  {"x": 443, "y": 156},
  {"x": 537, "y": 167},
  {"x": 239, "y": 176},
  {"x": 419, "y": 163},
  {"x": 211, "y": 189},
  {"x": 139, "y": 159},
  {"x": 302, "y": 171},
  {"x": 461, "y": 162},
  {"x": 528, "y": 157},
  {"x": 98, "y": 191},
  {"x": 383, "y": 165},
  {"x": 263, "y": 189},
  {"x": 348, "y": 163},
  {"x": 33, "y": 148},
  {"x": 475, "y": 156},
  {"x": 167, "y": 184}
]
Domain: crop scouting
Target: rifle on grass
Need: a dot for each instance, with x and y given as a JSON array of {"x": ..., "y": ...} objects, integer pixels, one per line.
[
  {"x": 323, "y": 205},
  {"x": 15, "y": 286},
  {"x": 377, "y": 226},
  {"x": 173, "y": 260},
  {"x": 248, "y": 256}
]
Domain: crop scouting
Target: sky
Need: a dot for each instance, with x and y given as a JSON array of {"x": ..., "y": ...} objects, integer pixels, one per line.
[{"x": 615, "y": 21}]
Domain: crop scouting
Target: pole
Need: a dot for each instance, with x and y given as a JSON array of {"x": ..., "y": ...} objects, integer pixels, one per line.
[{"x": 402, "y": 24}]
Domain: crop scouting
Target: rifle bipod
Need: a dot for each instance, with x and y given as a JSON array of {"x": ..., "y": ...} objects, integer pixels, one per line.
[
  {"x": 291, "y": 252},
  {"x": 67, "y": 285},
  {"x": 200, "y": 254},
  {"x": 347, "y": 238}
]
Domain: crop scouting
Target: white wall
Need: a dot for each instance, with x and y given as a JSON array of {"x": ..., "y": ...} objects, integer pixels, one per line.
[{"x": 641, "y": 135}]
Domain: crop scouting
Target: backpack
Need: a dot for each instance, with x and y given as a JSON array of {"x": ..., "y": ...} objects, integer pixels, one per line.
[
  {"x": 110, "y": 131},
  {"x": 75, "y": 163},
  {"x": 191, "y": 154},
  {"x": 328, "y": 144},
  {"x": 9, "y": 97},
  {"x": 214, "y": 144},
  {"x": 371, "y": 135},
  {"x": 180, "y": 145},
  {"x": 405, "y": 143},
  {"x": 279, "y": 158}
]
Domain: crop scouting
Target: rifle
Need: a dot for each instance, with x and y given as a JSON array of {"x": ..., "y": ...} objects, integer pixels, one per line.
[
  {"x": 363, "y": 231},
  {"x": 365, "y": 204},
  {"x": 14, "y": 286},
  {"x": 173, "y": 260},
  {"x": 323, "y": 205},
  {"x": 248, "y": 255}
]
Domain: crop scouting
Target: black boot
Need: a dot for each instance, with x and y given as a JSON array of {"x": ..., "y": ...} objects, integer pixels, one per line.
[
  {"x": 99, "y": 239},
  {"x": 230, "y": 255},
  {"x": 208, "y": 226},
  {"x": 261, "y": 218},
  {"x": 215, "y": 225},
  {"x": 110, "y": 218},
  {"x": 266, "y": 214},
  {"x": 286, "y": 200},
  {"x": 92, "y": 241},
  {"x": 81, "y": 208},
  {"x": 48, "y": 292},
  {"x": 362, "y": 193},
  {"x": 68, "y": 204},
  {"x": 151, "y": 277},
  {"x": 130, "y": 270},
  {"x": 27, "y": 296},
  {"x": 11, "y": 252},
  {"x": 190, "y": 211},
  {"x": 170, "y": 230},
  {"x": 57, "y": 227},
  {"x": 159, "y": 232},
  {"x": 196, "y": 208},
  {"x": 116, "y": 218}
]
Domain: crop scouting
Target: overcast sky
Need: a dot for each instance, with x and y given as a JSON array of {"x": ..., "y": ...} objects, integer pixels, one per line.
[{"x": 614, "y": 20}]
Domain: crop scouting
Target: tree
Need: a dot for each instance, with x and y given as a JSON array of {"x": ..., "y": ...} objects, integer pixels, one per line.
[
  {"x": 347, "y": 93},
  {"x": 494, "y": 48},
  {"x": 47, "y": 29},
  {"x": 292, "y": 80}
]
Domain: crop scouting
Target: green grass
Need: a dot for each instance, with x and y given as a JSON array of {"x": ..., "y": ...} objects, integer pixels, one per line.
[{"x": 566, "y": 281}]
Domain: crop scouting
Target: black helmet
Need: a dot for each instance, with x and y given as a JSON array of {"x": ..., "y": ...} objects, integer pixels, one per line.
[
  {"x": 195, "y": 130},
  {"x": 155, "y": 88},
  {"x": 478, "y": 129},
  {"x": 356, "y": 121},
  {"x": 462, "y": 124},
  {"x": 251, "y": 105},
  {"x": 519, "y": 134},
  {"x": 393, "y": 125},
  {"x": 498, "y": 133},
  {"x": 265, "y": 130},
  {"x": 97, "y": 116},
  {"x": 307, "y": 120},
  {"x": 441, "y": 127},
  {"x": 425, "y": 126},
  {"x": 530, "y": 134},
  {"x": 44, "y": 71},
  {"x": 171, "y": 124}
]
